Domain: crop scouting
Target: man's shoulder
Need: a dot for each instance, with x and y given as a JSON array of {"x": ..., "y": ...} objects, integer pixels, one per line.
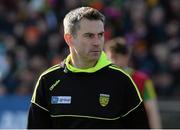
[
  {"x": 53, "y": 69},
  {"x": 115, "y": 69}
]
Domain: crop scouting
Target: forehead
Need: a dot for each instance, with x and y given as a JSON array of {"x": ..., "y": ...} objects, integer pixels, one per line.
[{"x": 91, "y": 26}]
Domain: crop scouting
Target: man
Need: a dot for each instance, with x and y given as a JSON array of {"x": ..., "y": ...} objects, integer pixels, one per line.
[
  {"x": 86, "y": 90},
  {"x": 118, "y": 52}
]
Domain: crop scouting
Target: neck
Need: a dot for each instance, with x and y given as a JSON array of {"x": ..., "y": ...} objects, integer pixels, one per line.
[{"x": 82, "y": 63}]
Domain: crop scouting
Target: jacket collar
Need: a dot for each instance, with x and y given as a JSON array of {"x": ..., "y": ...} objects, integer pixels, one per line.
[{"x": 102, "y": 62}]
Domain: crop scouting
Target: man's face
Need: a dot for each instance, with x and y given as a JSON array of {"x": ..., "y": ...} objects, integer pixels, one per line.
[{"x": 89, "y": 41}]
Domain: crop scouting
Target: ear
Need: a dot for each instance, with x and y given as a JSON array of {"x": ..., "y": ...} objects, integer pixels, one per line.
[{"x": 68, "y": 39}]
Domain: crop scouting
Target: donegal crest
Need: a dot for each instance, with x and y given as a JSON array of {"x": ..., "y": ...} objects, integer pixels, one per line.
[{"x": 104, "y": 99}]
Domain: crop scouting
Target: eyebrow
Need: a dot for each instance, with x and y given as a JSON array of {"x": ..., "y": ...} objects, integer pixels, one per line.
[{"x": 93, "y": 33}]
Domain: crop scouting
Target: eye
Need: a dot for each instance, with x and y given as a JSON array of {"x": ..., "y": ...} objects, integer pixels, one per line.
[
  {"x": 89, "y": 35},
  {"x": 100, "y": 35}
]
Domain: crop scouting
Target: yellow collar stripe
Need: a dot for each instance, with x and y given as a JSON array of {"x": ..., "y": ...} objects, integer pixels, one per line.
[{"x": 102, "y": 62}]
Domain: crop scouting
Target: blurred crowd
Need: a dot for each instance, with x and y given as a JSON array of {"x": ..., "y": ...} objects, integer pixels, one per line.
[{"x": 31, "y": 39}]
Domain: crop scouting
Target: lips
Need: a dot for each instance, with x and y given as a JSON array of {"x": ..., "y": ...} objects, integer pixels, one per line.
[{"x": 95, "y": 51}]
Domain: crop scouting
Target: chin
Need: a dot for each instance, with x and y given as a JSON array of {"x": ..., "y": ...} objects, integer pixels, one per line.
[{"x": 95, "y": 56}]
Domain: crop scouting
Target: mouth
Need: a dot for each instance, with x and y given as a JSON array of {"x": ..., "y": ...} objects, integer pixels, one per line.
[{"x": 95, "y": 51}]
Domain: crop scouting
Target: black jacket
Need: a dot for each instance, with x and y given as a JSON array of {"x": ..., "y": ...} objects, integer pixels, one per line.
[{"x": 100, "y": 97}]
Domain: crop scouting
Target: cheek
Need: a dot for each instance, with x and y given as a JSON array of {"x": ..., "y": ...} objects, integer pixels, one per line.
[
  {"x": 102, "y": 45},
  {"x": 102, "y": 42},
  {"x": 82, "y": 46}
]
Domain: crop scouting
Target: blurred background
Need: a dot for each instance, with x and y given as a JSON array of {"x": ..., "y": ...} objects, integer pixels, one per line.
[{"x": 31, "y": 40}]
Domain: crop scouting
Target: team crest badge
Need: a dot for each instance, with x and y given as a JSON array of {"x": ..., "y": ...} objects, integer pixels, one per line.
[{"x": 104, "y": 99}]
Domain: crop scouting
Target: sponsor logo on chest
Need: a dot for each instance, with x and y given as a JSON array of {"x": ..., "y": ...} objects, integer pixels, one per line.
[{"x": 61, "y": 100}]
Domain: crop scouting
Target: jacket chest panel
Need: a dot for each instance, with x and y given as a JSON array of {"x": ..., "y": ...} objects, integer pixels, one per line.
[{"x": 87, "y": 97}]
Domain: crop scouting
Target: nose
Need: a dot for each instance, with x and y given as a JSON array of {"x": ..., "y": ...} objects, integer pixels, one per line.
[{"x": 96, "y": 40}]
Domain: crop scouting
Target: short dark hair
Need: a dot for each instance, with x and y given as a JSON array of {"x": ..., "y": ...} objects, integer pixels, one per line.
[
  {"x": 117, "y": 46},
  {"x": 72, "y": 19}
]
